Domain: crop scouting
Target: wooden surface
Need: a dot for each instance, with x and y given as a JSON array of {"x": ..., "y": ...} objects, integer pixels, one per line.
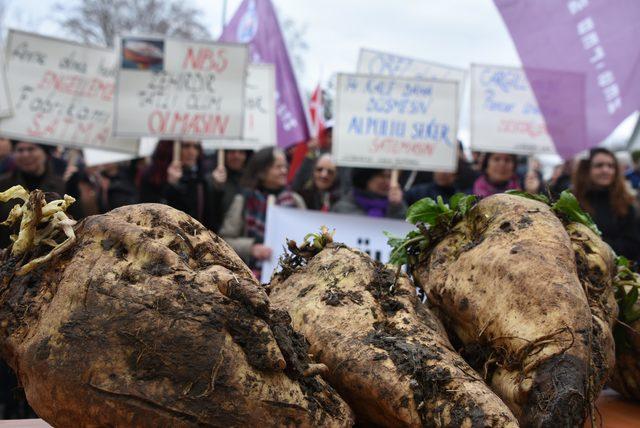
[{"x": 616, "y": 413}]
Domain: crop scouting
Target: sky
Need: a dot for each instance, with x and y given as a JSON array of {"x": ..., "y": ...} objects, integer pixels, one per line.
[{"x": 453, "y": 32}]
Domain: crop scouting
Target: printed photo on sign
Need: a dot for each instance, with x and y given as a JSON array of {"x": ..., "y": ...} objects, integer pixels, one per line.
[
  {"x": 505, "y": 116},
  {"x": 180, "y": 89},
  {"x": 62, "y": 93},
  {"x": 396, "y": 123},
  {"x": 141, "y": 54}
]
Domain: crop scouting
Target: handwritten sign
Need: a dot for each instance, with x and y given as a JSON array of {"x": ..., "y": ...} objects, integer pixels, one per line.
[
  {"x": 62, "y": 93},
  {"x": 387, "y": 64},
  {"x": 5, "y": 102},
  {"x": 504, "y": 113},
  {"x": 173, "y": 89},
  {"x": 388, "y": 122},
  {"x": 259, "y": 112}
]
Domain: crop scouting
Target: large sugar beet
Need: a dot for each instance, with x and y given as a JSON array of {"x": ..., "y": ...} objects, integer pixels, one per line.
[
  {"x": 150, "y": 320},
  {"x": 528, "y": 306},
  {"x": 387, "y": 355}
]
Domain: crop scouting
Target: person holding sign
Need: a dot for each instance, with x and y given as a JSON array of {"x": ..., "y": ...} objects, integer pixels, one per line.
[
  {"x": 322, "y": 191},
  {"x": 372, "y": 195},
  {"x": 179, "y": 180},
  {"x": 244, "y": 224}
]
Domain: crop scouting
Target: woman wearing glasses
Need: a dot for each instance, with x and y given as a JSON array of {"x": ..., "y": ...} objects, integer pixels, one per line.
[
  {"x": 601, "y": 190},
  {"x": 322, "y": 190}
]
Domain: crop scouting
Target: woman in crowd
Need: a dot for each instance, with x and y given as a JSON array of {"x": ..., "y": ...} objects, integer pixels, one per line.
[
  {"x": 599, "y": 186},
  {"x": 244, "y": 224},
  {"x": 322, "y": 191},
  {"x": 227, "y": 178},
  {"x": 372, "y": 195},
  {"x": 182, "y": 183},
  {"x": 499, "y": 175}
]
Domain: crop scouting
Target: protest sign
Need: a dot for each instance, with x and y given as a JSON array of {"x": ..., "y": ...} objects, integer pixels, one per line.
[
  {"x": 387, "y": 64},
  {"x": 388, "y": 122},
  {"x": 62, "y": 93},
  {"x": 5, "y": 102},
  {"x": 95, "y": 157},
  {"x": 504, "y": 113},
  {"x": 259, "y": 112},
  {"x": 179, "y": 89},
  {"x": 365, "y": 233}
]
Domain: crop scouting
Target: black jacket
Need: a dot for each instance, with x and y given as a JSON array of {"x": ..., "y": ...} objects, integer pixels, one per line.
[
  {"x": 622, "y": 233},
  {"x": 194, "y": 194}
]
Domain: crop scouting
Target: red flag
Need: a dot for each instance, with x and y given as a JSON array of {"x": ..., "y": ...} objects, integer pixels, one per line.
[{"x": 316, "y": 112}]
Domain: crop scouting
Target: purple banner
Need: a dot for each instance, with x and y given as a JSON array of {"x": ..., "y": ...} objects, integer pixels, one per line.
[
  {"x": 582, "y": 58},
  {"x": 255, "y": 23}
]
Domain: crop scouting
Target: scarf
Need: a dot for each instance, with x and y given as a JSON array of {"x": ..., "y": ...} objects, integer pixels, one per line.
[
  {"x": 373, "y": 205},
  {"x": 483, "y": 188},
  {"x": 255, "y": 210}
]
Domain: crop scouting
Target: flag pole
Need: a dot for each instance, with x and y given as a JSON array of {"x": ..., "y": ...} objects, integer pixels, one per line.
[{"x": 224, "y": 14}]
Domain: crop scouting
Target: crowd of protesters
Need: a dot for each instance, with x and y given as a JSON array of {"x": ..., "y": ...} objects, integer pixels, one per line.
[{"x": 231, "y": 197}]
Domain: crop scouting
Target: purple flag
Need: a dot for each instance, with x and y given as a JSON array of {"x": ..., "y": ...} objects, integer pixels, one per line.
[
  {"x": 255, "y": 23},
  {"x": 579, "y": 50}
]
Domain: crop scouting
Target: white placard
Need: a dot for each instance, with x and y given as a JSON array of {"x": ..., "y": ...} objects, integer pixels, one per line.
[
  {"x": 179, "y": 89},
  {"x": 365, "y": 233},
  {"x": 505, "y": 116},
  {"x": 388, "y": 122},
  {"x": 5, "y": 101},
  {"x": 62, "y": 93},
  {"x": 259, "y": 112},
  {"x": 387, "y": 64},
  {"x": 95, "y": 157}
]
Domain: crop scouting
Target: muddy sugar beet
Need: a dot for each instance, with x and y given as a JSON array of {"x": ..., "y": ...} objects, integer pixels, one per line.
[
  {"x": 387, "y": 354},
  {"x": 147, "y": 319},
  {"x": 527, "y": 297}
]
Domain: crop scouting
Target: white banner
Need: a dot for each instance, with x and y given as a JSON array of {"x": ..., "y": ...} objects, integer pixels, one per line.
[
  {"x": 259, "y": 112},
  {"x": 395, "y": 123},
  {"x": 356, "y": 231},
  {"x": 184, "y": 90},
  {"x": 62, "y": 93},
  {"x": 504, "y": 113},
  {"x": 387, "y": 64}
]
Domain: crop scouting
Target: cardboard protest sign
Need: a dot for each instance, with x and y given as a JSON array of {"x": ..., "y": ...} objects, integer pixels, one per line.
[
  {"x": 387, "y": 64},
  {"x": 365, "y": 233},
  {"x": 95, "y": 157},
  {"x": 62, "y": 93},
  {"x": 5, "y": 101},
  {"x": 504, "y": 113},
  {"x": 388, "y": 122},
  {"x": 259, "y": 112},
  {"x": 180, "y": 89}
]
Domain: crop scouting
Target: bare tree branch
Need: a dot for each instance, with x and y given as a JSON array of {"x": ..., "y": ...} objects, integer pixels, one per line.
[{"x": 98, "y": 22}]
